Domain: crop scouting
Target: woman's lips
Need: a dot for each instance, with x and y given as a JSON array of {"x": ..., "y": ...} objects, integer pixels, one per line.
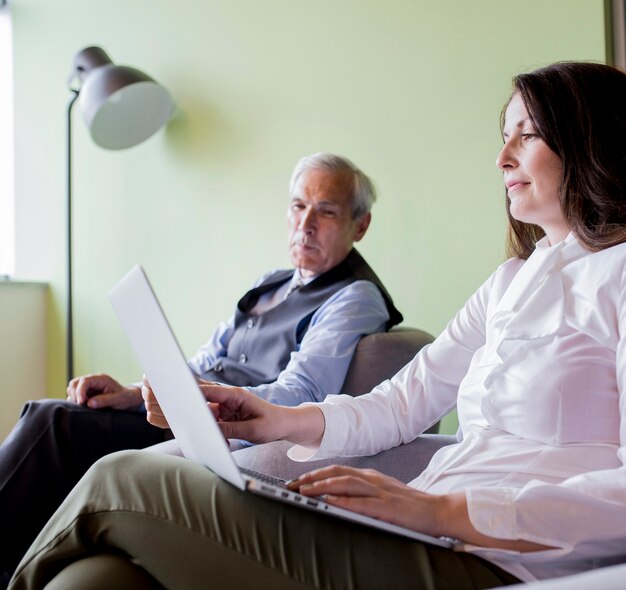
[{"x": 513, "y": 185}]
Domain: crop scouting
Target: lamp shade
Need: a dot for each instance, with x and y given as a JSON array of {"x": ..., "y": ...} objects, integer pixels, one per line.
[{"x": 121, "y": 106}]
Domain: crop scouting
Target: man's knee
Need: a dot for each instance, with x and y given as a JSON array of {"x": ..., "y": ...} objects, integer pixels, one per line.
[
  {"x": 61, "y": 418},
  {"x": 44, "y": 407},
  {"x": 36, "y": 419}
]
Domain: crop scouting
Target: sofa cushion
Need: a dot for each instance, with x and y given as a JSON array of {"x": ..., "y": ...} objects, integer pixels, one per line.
[{"x": 404, "y": 462}]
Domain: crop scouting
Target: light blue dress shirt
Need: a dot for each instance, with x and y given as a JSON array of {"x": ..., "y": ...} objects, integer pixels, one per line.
[{"x": 320, "y": 364}]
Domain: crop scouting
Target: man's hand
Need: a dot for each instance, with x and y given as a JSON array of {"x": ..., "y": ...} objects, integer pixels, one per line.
[{"x": 102, "y": 391}]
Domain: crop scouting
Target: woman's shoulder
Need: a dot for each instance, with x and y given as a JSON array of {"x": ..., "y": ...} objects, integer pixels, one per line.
[
  {"x": 607, "y": 260},
  {"x": 618, "y": 251},
  {"x": 499, "y": 280},
  {"x": 507, "y": 270},
  {"x": 598, "y": 276}
]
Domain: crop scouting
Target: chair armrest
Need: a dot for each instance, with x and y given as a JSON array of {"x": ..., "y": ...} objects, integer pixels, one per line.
[
  {"x": 604, "y": 578},
  {"x": 404, "y": 462},
  {"x": 380, "y": 356}
]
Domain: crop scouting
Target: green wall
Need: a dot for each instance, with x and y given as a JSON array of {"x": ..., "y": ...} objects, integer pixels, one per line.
[{"x": 410, "y": 90}]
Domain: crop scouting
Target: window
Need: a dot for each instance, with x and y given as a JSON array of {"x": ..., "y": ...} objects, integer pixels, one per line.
[
  {"x": 7, "y": 192},
  {"x": 619, "y": 33}
]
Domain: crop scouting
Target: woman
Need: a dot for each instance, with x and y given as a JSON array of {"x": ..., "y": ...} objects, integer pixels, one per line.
[{"x": 535, "y": 363}]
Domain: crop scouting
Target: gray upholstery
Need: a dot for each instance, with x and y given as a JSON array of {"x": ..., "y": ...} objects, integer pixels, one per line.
[
  {"x": 380, "y": 356},
  {"x": 605, "y": 578},
  {"x": 404, "y": 462},
  {"x": 377, "y": 357}
]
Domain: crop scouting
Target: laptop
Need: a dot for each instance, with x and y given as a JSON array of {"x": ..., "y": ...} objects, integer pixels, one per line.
[{"x": 193, "y": 424}]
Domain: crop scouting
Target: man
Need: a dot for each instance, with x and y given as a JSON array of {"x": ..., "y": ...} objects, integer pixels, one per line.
[{"x": 290, "y": 340}]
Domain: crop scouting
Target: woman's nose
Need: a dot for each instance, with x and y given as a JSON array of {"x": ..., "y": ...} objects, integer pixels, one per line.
[{"x": 505, "y": 157}]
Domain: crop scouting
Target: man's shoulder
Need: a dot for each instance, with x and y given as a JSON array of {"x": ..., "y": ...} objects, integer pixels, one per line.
[
  {"x": 362, "y": 287},
  {"x": 359, "y": 292}
]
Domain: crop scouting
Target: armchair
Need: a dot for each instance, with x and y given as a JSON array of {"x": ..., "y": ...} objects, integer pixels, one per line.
[
  {"x": 380, "y": 356},
  {"x": 605, "y": 578},
  {"x": 377, "y": 357}
]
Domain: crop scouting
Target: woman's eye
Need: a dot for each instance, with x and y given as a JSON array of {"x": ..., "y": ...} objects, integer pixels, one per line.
[{"x": 529, "y": 136}]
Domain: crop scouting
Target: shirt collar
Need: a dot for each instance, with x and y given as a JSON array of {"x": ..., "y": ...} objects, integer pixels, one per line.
[
  {"x": 544, "y": 244},
  {"x": 298, "y": 278}
]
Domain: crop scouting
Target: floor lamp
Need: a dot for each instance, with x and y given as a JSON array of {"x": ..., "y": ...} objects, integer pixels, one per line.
[{"x": 121, "y": 107}]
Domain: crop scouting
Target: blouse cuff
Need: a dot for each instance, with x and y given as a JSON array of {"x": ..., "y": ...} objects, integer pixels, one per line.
[
  {"x": 492, "y": 511},
  {"x": 335, "y": 434}
]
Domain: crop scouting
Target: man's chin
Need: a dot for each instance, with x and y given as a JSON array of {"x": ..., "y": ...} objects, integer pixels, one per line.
[
  {"x": 307, "y": 266},
  {"x": 305, "y": 257}
]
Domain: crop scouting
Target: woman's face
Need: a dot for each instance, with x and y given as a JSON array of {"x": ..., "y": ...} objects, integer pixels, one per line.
[{"x": 532, "y": 173}]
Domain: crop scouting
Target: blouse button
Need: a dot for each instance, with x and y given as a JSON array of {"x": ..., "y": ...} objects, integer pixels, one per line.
[
  {"x": 243, "y": 358},
  {"x": 250, "y": 323}
]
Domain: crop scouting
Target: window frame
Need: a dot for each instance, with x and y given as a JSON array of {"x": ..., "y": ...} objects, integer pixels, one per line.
[{"x": 7, "y": 145}]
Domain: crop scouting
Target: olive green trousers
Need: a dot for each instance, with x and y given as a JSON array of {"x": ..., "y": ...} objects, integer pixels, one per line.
[{"x": 142, "y": 520}]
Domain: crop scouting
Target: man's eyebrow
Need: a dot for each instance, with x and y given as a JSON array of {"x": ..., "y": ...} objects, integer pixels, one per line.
[
  {"x": 329, "y": 202},
  {"x": 324, "y": 203}
]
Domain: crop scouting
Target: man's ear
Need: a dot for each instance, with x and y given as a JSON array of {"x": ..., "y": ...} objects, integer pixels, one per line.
[{"x": 362, "y": 226}]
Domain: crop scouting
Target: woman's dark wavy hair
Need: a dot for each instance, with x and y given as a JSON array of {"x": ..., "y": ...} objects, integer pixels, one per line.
[{"x": 579, "y": 110}]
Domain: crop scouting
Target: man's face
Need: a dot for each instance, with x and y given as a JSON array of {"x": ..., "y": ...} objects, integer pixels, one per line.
[{"x": 321, "y": 228}]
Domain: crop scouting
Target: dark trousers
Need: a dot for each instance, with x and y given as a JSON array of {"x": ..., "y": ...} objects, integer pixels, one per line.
[{"x": 53, "y": 444}]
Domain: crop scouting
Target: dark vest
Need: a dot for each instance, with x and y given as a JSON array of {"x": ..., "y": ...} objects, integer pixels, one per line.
[{"x": 261, "y": 345}]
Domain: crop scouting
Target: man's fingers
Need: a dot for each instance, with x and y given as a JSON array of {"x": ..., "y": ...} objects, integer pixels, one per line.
[
  {"x": 107, "y": 400},
  {"x": 123, "y": 399},
  {"x": 78, "y": 389},
  {"x": 81, "y": 389}
]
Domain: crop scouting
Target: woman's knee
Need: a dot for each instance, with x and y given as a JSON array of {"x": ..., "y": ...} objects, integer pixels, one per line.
[
  {"x": 114, "y": 468},
  {"x": 153, "y": 476},
  {"x": 137, "y": 461},
  {"x": 101, "y": 572}
]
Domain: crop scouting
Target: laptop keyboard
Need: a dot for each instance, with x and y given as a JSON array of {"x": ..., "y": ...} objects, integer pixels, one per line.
[{"x": 276, "y": 481}]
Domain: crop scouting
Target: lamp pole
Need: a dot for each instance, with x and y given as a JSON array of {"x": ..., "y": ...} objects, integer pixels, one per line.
[
  {"x": 122, "y": 107},
  {"x": 69, "y": 342}
]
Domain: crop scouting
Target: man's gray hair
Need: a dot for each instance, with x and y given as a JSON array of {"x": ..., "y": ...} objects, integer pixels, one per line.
[{"x": 363, "y": 191}]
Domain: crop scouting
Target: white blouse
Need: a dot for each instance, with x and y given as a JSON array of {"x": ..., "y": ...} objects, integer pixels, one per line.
[{"x": 535, "y": 363}]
